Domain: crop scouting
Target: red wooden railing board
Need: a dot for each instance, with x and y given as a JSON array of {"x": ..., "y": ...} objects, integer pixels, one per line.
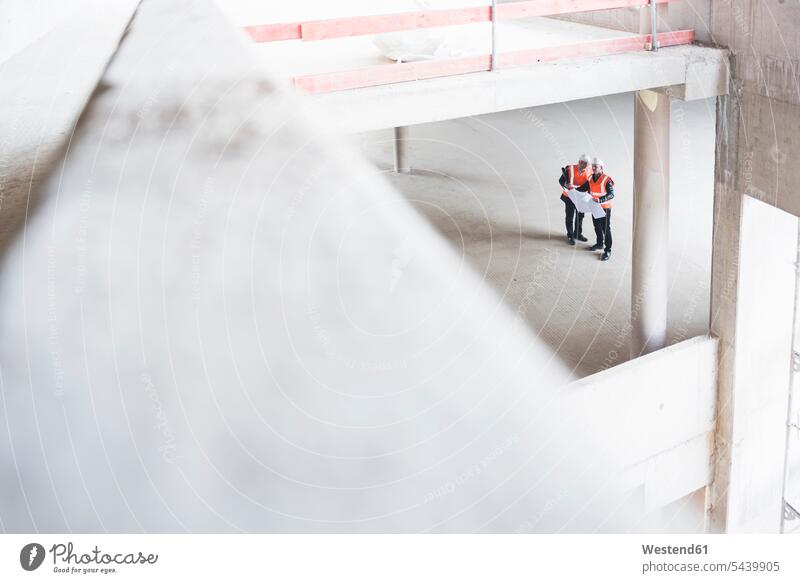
[
  {"x": 591, "y": 48},
  {"x": 263, "y": 33},
  {"x": 528, "y": 8},
  {"x": 386, "y": 74},
  {"x": 382, "y": 23},
  {"x": 361, "y": 25}
]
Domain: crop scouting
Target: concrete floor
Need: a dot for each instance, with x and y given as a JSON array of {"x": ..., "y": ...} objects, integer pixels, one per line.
[{"x": 489, "y": 184}]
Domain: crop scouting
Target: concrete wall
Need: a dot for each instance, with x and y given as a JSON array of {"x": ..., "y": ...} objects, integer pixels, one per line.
[
  {"x": 754, "y": 393},
  {"x": 764, "y": 330},
  {"x": 626, "y": 19},
  {"x": 656, "y": 414},
  {"x": 760, "y": 121},
  {"x": 757, "y": 150},
  {"x": 678, "y": 15}
]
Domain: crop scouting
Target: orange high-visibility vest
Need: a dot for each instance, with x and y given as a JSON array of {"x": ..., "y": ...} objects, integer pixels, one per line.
[
  {"x": 576, "y": 177},
  {"x": 597, "y": 188}
]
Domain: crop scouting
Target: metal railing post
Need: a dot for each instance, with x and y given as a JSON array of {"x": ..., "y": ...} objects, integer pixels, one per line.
[
  {"x": 494, "y": 26},
  {"x": 653, "y": 26}
]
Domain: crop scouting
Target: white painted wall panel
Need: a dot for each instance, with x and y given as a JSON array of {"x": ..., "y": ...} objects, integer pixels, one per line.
[
  {"x": 654, "y": 416},
  {"x": 764, "y": 328}
]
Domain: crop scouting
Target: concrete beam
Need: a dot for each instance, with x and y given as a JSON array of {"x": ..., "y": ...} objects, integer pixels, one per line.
[
  {"x": 707, "y": 77},
  {"x": 440, "y": 99}
]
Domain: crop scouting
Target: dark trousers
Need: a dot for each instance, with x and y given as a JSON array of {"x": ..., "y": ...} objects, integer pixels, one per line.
[
  {"x": 602, "y": 229},
  {"x": 572, "y": 218}
]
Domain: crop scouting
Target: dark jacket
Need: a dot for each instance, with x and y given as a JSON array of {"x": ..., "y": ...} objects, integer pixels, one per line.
[{"x": 563, "y": 180}]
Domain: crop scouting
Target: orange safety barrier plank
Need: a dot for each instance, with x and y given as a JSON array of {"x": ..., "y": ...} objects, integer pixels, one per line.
[
  {"x": 341, "y": 27},
  {"x": 382, "y": 23},
  {"x": 263, "y": 33}
]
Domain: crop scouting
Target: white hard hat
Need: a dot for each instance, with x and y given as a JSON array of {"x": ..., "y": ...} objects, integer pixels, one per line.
[
  {"x": 584, "y": 158},
  {"x": 597, "y": 161}
]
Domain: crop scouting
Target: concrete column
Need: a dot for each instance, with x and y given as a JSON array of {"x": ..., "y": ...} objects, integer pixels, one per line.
[
  {"x": 650, "y": 222},
  {"x": 401, "y": 141},
  {"x": 753, "y": 299}
]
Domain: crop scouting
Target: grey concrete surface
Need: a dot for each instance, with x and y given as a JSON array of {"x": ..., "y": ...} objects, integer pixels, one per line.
[{"x": 490, "y": 185}]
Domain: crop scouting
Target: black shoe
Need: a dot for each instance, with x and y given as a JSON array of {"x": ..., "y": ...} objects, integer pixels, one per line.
[
  {"x": 581, "y": 238},
  {"x": 606, "y": 256},
  {"x": 596, "y": 247},
  {"x": 570, "y": 240}
]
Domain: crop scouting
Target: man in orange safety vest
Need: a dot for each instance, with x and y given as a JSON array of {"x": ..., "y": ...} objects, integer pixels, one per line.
[
  {"x": 573, "y": 176},
  {"x": 601, "y": 186}
]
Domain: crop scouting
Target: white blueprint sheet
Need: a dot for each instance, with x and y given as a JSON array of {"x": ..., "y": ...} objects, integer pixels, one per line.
[{"x": 586, "y": 204}]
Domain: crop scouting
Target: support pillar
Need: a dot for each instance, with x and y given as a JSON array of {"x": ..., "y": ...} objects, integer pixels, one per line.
[
  {"x": 753, "y": 301},
  {"x": 650, "y": 223},
  {"x": 401, "y": 141}
]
